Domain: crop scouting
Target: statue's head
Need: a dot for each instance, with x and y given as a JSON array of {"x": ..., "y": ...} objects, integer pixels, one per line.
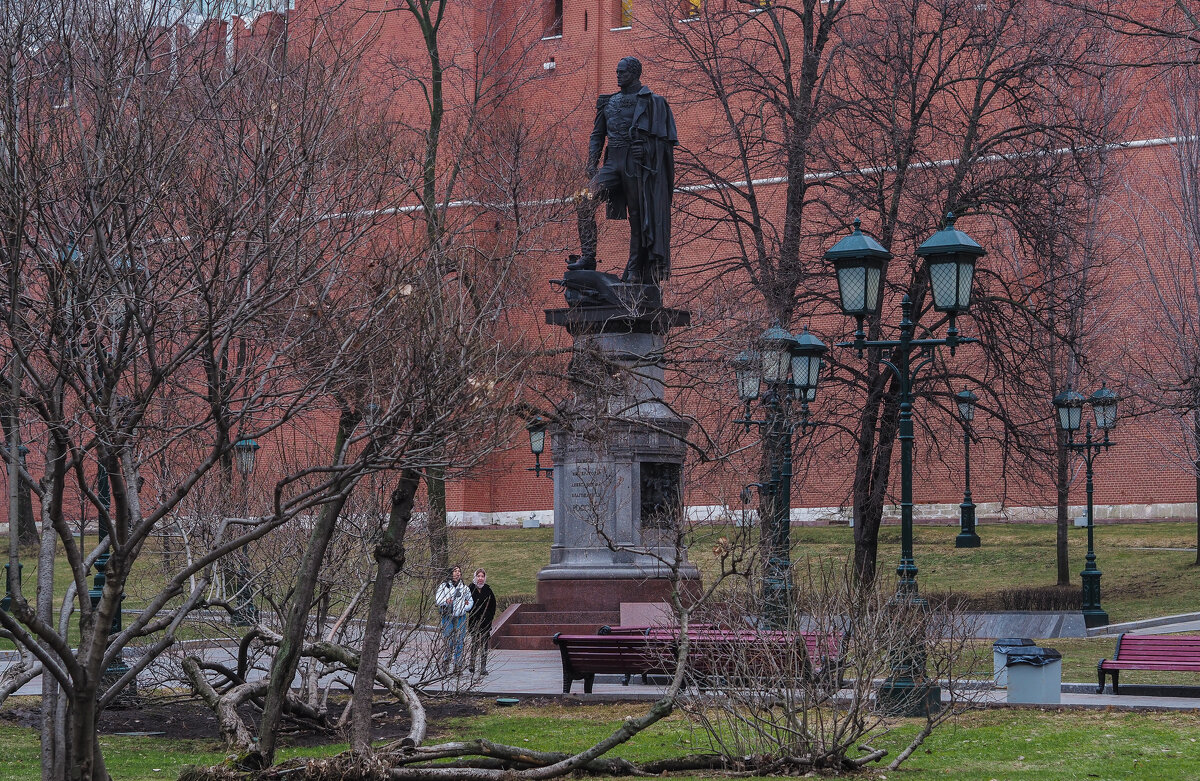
[{"x": 629, "y": 70}]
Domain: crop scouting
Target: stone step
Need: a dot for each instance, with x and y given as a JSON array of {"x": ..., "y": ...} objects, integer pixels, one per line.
[
  {"x": 597, "y": 617},
  {"x": 548, "y": 630},
  {"x": 524, "y": 643}
]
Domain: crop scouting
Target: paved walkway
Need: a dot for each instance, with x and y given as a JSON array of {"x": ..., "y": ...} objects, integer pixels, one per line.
[
  {"x": 1163, "y": 625},
  {"x": 539, "y": 673}
]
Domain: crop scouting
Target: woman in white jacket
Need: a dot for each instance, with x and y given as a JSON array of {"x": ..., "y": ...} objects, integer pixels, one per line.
[{"x": 454, "y": 601}]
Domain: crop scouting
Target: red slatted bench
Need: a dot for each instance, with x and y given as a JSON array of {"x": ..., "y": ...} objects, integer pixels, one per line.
[
  {"x": 643, "y": 630},
  {"x": 653, "y": 651},
  {"x": 586, "y": 656},
  {"x": 765, "y": 653},
  {"x": 1176, "y": 653}
]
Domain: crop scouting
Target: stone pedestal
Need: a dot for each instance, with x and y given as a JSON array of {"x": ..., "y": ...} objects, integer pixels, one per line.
[{"x": 618, "y": 464}]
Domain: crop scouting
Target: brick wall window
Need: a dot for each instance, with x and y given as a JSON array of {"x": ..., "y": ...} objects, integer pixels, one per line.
[
  {"x": 624, "y": 13},
  {"x": 554, "y": 19}
]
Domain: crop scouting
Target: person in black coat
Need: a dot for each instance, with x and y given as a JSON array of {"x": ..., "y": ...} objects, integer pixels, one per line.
[{"x": 479, "y": 621}]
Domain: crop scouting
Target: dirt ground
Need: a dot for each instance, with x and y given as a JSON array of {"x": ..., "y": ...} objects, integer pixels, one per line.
[{"x": 188, "y": 719}]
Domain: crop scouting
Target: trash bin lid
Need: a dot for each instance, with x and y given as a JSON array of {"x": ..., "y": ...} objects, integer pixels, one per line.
[
  {"x": 1036, "y": 657},
  {"x": 1012, "y": 642}
]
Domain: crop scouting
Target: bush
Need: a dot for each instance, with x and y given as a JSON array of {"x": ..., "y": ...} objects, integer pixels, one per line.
[{"x": 1030, "y": 598}]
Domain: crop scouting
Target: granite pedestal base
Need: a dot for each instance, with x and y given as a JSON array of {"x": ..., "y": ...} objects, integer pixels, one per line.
[{"x": 607, "y": 594}]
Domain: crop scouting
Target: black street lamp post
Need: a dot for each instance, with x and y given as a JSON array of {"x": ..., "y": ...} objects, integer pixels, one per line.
[
  {"x": 6, "y": 602},
  {"x": 860, "y": 263},
  {"x": 537, "y": 445},
  {"x": 118, "y": 668},
  {"x": 245, "y": 612},
  {"x": 967, "y": 536},
  {"x": 1069, "y": 408},
  {"x": 13, "y": 528},
  {"x": 789, "y": 368}
]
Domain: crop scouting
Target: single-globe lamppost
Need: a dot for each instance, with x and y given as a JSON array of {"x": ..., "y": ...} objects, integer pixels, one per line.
[
  {"x": 13, "y": 527},
  {"x": 788, "y": 368},
  {"x": 860, "y": 264},
  {"x": 537, "y": 445},
  {"x": 1068, "y": 408},
  {"x": 118, "y": 668},
  {"x": 245, "y": 612},
  {"x": 967, "y": 536}
]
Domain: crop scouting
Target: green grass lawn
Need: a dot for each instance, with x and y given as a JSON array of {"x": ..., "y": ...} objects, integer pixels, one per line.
[
  {"x": 1013, "y": 744},
  {"x": 1010, "y": 744},
  {"x": 1136, "y": 583},
  {"x": 130, "y": 758}
]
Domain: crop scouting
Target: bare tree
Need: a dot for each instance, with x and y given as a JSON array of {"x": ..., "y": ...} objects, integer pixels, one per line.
[
  {"x": 456, "y": 103},
  {"x": 1167, "y": 36},
  {"x": 169, "y": 199},
  {"x": 1168, "y": 241},
  {"x": 898, "y": 112},
  {"x": 456, "y": 364},
  {"x": 775, "y": 702}
]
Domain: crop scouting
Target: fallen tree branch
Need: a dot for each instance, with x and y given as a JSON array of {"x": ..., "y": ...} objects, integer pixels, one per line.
[
  {"x": 484, "y": 748},
  {"x": 330, "y": 652},
  {"x": 875, "y": 755}
]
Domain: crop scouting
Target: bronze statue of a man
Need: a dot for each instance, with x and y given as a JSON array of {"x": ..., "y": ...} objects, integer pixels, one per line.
[{"x": 636, "y": 131}]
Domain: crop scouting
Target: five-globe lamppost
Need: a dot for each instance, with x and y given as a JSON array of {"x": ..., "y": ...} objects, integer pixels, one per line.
[
  {"x": 1068, "y": 407},
  {"x": 782, "y": 372},
  {"x": 860, "y": 263},
  {"x": 967, "y": 536}
]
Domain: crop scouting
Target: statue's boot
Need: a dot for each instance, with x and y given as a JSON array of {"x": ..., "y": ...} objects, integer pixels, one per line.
[
  {"x": 585, "y": 213},
  {"x": 634, "y": 271}
]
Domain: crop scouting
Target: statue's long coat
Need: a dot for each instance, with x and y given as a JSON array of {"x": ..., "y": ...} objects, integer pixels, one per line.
[{"x": 654, "y": 124}]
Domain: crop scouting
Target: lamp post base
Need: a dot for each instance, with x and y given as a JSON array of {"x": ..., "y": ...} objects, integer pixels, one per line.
[
  {"x": 6, "y": 603},
  {"x": 967, "y": 540},
  {"x": 128, "y": 697},
  {"x": 244, "y": 615},
  {"x": 1093, "y": 614},
  {"x": 906, "y": 697}
]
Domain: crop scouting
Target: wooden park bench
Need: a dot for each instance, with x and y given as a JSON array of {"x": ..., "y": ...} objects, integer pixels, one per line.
[
  {"x": 645, "y": 630},
  {"x": 1177, "y": 653},
  {"x": 586, "y": 656},
  {"x": 763, "y": 654},
  {"x": 644, "y": 651}
]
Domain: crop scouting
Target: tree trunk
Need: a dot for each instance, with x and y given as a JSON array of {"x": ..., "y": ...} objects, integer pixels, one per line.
[
  {"x": 439, "y": 541},
  {"x": 27, "y": 533},
  {"x": 389, "y": 554},
  {"x": 877, "y": 437},
  {"x": 53, "y": 734},
  {"x": 283, "y": 667},
  {"x": 1196, "y": 468},
  {"x": 85, "y": 761},
  {"x": 1061, "y": 480}
]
